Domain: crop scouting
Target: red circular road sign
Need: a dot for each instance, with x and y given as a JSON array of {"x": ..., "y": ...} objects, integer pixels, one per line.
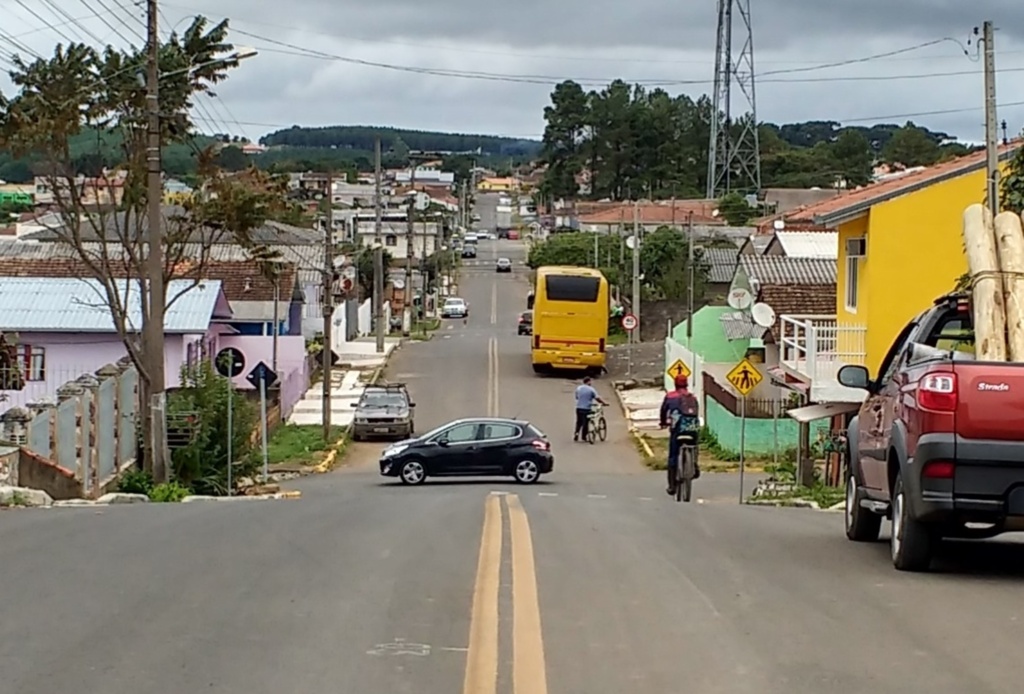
[{"x": 629, "y": 322}]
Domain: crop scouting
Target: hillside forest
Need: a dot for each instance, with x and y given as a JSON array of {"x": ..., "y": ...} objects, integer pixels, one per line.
[{"x": 634, "y": 141}]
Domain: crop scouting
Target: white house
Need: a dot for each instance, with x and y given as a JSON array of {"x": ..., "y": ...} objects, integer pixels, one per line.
[{"x": 395, "y": 237}]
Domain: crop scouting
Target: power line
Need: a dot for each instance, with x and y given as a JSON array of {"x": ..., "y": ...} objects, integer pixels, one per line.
[
  {"x": 40, "y": 18},
  {"x": 62, "y": 14}
]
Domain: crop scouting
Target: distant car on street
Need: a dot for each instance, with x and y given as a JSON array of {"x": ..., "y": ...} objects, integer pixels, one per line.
[
  {"x": 526, "y": 323},
  {"x": 454, "y": 307},
  {"x": 471, "y": 237},
  {"x": 480, "y": 447},
  {"x": 469, "y": 250},
  {"x": 383, "y": 411},
  {"x": 503, "y": 265}
]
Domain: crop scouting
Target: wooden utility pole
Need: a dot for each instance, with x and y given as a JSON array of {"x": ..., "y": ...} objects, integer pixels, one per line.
[
  {"x": 154, "y": 339},
  {"x": 328, "y": 306},
  {"x": 378, "y": 254}
]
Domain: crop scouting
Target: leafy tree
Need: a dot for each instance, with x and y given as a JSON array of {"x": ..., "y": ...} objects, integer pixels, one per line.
[
  {"x": 735, "y": 209},
  {"x": 1011, "y": 185},
  {"x": 911, "y": 146},
  {"x": 665, "y": 263},
  {"x": 854, "y": 158},
  {"x": 232, "y": 159},
  {"x": 82, "y": 91},
  {"x": 364, "y": 269}
]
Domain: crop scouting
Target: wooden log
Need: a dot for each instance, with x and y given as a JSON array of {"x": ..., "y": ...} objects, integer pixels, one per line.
[
  {"x": 1010, "y": 247},
  {"x": 983, "y": 261}
]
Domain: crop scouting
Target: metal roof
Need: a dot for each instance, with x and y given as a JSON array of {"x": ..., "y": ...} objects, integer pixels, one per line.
[
  {"x": 809, "y": 244},
  {"x": 721, "y": 263},
  {"x": 49, "y": 304},
  {"x": 778, "y": 269}
]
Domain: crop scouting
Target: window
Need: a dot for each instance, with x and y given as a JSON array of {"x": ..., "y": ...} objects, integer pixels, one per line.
[
  {"x": 568, "y": 288},
  {"x": 32, "y": 362},
  {"x": 852, "y": 282},
  {"x": 500, "y": 431},
  {"x": 390, "y": 240},
  {"x": 462, "y": 433}
]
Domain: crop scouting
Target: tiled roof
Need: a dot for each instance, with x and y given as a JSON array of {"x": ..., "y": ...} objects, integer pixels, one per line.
[
  {"x": 656, "y": 213},
  {"x": 776, "y": 269},
  {"x": 841, "y": 207},
  {"x": 721, "y": 263},
  {"x": 234, "y": 275},
  {"x": 739, "y": 326},
  {"x": 47, "y": 304},
  {"x": 809, "y": 244},
  {"x": 795, "y": 299}
]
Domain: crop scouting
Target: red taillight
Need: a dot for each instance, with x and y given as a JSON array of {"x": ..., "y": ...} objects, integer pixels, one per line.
[
  {"x": 541, "y": 445},
  {"x": 536, "y": 341},
  {"x": 600, "y": 345},
  {"x": 937, "y": 392},
  {"x": 939, "y": 470}
]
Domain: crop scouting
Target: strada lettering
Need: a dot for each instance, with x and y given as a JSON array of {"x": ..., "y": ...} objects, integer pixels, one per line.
[{"x": 993, "y": 386}]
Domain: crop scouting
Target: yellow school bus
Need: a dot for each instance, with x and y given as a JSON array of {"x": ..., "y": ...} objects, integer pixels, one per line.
[{"x": 570, "y": 319}]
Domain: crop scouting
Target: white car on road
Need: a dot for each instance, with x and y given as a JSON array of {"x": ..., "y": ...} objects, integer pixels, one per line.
[{"x": 454, "y": 307}]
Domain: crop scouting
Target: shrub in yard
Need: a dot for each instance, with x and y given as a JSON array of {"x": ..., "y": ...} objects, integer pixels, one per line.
[
  {"x": 202, "y": 465},
  {"x": 135, "y": 482},
  {"x": 169, "y": 492}
]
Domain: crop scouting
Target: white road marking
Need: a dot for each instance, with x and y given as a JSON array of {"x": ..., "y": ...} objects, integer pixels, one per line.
[
  {"x": 547, "y": 493},
  {"x": 597, "y": 496}
]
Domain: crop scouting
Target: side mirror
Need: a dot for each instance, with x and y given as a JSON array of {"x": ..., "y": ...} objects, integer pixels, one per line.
[
  {"x": 412, "y": 404},
  {"x": 353, "y": 404},
  {"x": 853, "y": 376},
  {"x": 443, "y": 443}
]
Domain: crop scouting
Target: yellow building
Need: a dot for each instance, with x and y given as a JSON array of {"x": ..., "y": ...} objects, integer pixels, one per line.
[
  {"x": 497, "y": 185},
  {"x": 900, "y": 248}
]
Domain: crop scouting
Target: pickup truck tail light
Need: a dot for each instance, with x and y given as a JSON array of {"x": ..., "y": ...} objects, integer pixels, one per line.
[
  {"x": 939, "y": 470},
  {"x": 937, "y": 392},
  {"x": 541, "y": 445}
]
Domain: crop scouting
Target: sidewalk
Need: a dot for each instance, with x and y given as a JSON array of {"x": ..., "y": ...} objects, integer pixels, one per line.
[
  {"x": 358, "y": 359},
  {"x": 642, "y": 407}
]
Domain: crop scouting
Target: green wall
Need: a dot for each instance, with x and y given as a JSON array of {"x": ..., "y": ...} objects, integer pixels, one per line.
[
  {"x": 709, "y": 340},
  {"x": 759, "y": 435}
]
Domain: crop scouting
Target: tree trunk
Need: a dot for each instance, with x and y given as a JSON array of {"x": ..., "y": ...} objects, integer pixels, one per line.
[
  {"x": 1010, "y": 244},
  {"x": 989, "y": 309}
]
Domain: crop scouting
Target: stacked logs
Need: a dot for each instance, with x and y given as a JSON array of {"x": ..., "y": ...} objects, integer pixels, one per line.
[{"x": 995, "y": 257}]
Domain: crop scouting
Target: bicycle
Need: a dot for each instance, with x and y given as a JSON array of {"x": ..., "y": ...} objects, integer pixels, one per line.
[
  {"x": 686, "y": 464},
  {"x": 597, "y": 426}
]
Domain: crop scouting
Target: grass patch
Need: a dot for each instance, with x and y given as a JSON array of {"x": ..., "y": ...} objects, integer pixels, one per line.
[
  {"x": 617, "y": 339},
  {"x": 301, "y": 444},
  {"x": 709, "y": 461},
  {"x": 821, "y": 494}
]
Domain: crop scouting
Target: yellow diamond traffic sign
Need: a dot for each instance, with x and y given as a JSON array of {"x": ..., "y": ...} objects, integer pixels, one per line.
[
  {"x": 677, "y": 369},
  {"x": 744, "y": 377}
]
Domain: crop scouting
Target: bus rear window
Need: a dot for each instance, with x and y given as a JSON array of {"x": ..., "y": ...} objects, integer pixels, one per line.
[{"x": 568, "y": 288}]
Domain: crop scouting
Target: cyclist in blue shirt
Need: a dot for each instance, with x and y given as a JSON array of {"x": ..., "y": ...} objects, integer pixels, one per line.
[{"x": 679, "y": 412}]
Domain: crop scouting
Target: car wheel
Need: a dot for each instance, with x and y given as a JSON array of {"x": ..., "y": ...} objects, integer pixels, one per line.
[
  {"x": 912, "y": 542},
  {"x": 412, "y": 472},
  {"x": 526, "y": 471},
  {"x": 861, "y": 524},
  {"x": 356, "y": 436}
]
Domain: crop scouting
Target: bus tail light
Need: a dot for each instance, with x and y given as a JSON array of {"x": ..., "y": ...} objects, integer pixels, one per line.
[
  {"x": 536, "y": 341},
  {"x": 600, "y": 345}
]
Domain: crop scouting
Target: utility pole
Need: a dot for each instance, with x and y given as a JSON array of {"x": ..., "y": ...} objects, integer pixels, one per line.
[
  {"x": 378, "y": 255},
  {"x": 409, "y": 250},
  {"x": 328, "y": 306},
  {"x": 689, "y": 270},
  {"x": 991, "y": 121},
  {"x": 154, "y": 256},
  {"x": 635, "y": 294}
]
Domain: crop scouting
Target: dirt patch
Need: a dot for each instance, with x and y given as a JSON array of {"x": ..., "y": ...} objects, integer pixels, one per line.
[{"x": 648, "y": 360}]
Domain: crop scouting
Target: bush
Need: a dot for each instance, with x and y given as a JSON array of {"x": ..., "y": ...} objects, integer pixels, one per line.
[
  {"x": 135, "y": 482},
  {"x": 169, "y": 492},
  {"x": 203, "y": 465}
]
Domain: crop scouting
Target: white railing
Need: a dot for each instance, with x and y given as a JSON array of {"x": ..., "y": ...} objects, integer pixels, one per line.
[{"x": 816, "y": 346}]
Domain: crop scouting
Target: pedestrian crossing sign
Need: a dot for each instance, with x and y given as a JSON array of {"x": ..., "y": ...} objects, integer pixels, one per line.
[
  {"x": 744, "y": 377},
  {"x": 678, "y": 368}
]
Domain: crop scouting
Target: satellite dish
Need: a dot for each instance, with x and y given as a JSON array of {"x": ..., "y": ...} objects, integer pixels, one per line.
[
  {"x": 398, "y": 284},
  {"x": 779, "y": 225},
  {"x": 740, "y": 298},
  {"x": 763, "y": 315},
  {"x": 630, "y": 242},
  {"x": 340, "y": 261},
  {"x": 349, "y": 272}
]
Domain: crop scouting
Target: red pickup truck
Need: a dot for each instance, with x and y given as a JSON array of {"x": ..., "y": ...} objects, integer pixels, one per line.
[{"x": 938, "y": 445}]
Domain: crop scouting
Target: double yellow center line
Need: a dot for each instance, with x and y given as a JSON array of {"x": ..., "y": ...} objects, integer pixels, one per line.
[{"x": 529, "y": 673}]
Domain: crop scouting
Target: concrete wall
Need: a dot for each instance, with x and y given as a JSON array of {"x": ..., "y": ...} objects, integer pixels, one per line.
[{"x": 759, "y": 438}]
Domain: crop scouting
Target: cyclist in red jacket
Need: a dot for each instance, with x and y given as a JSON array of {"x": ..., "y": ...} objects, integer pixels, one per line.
[{"x": 680, "y": 412}]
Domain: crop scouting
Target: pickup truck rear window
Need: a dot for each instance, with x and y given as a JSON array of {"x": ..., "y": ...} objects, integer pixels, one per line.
[{"x": 954, "y": 333}]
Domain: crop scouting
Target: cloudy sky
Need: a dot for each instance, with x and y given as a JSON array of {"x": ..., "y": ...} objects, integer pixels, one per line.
[{"x": 324, "y": 62}]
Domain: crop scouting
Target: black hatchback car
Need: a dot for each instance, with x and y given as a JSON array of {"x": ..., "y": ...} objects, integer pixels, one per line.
[
  {"x": 526, "y": 323},
  {"x": 483, "y": 447}
]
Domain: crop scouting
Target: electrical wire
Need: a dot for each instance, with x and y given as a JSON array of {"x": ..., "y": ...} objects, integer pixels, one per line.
[
  {"x": 100, "y": 16},
  {"x": 62, "y": 14},
  {"x": 40, "y": 18}
]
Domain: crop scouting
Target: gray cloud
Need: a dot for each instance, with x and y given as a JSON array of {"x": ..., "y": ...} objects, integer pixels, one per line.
[{"x": 643, "y": 40}]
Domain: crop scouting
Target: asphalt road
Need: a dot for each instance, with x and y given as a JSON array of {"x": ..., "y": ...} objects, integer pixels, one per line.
[{"x": 592, "y": 582}]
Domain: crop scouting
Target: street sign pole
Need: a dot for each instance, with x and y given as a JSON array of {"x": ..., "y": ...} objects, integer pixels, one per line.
[
  {"x": 743, "y": 441},
  {"x": 263, "y": 428},
  {"x": 231, "y": 422}
]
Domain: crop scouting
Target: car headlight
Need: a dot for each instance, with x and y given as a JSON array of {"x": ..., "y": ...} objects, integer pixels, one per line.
[{"x": 393, "y": 451}]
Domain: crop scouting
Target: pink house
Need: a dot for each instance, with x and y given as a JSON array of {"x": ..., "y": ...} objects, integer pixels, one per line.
[{"x": 62, "y": 328}]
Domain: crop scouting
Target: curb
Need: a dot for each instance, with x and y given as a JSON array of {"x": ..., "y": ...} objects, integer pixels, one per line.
[
  {"x": 87, "y": 503},
  {"x": 642, "y": 441},
  {"x": 327, "y": 464}
]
